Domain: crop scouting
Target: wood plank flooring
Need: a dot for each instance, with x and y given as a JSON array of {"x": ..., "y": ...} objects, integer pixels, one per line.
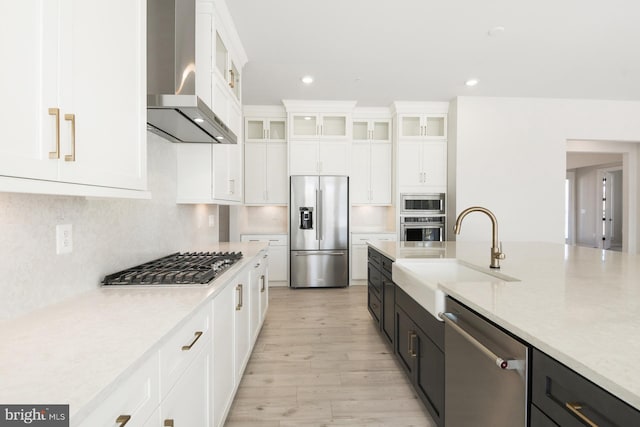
[{"x": 319, "y": 361}]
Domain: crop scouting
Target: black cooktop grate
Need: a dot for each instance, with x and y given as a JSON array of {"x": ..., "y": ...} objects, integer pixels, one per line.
[{"x": 176, "y": 269}]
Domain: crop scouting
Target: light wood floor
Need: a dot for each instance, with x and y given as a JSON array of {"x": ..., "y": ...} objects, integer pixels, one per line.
[{"x": 319, "y": 361}]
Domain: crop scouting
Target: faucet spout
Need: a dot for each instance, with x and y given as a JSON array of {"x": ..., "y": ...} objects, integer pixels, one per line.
[{"x": 496, "y": 248}]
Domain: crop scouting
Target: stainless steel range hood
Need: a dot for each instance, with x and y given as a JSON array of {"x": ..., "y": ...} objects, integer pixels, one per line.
[{"x": 174, "y": 109}]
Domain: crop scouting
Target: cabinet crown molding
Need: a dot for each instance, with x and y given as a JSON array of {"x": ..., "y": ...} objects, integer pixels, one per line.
[
  {"x": 267, "y": 111},
  {"x": 300, "y": 106},
  {"x": 372, "y": 113}
]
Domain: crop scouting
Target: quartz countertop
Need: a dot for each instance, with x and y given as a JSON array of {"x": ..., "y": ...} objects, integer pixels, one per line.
[
  {"x": 74, "y": 352},
  {"x": 579, "y": 305}
]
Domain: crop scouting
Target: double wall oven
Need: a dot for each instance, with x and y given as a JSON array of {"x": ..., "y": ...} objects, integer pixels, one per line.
[{"x": 422, "y": 217}]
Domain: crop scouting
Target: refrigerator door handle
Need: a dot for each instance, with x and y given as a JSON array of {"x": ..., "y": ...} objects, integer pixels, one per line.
[
  {"x": 317, "y": 217},
  {"x": 320, "y": 218},
  {"x": 309, "y": 253}
]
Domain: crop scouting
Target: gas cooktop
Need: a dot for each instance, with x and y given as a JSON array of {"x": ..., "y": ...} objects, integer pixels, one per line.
[{"x": 188, "y": 268}]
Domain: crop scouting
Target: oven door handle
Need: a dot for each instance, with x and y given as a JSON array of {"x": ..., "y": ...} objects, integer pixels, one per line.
[{"x": 507, "y": 364}]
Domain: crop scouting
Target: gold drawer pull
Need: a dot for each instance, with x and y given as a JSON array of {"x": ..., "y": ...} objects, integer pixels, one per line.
[
  {"x": 198, "y": 334},
  {"x": 575, "y": 408},
  {"x": 56, "y": 112},
  {"x": 239, "y": 289},
  {"x": 262, "y": 289},
  {"x": 123, "y": 420},
  {"x": 168, "y": 423},
  {"x": 71, "y": 157}
]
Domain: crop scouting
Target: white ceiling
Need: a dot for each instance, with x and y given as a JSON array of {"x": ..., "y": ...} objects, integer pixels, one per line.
[{"x": 378, "y": 51}]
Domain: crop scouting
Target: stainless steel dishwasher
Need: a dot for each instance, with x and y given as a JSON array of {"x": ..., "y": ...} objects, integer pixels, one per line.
[{"x": 485, "y": 372}]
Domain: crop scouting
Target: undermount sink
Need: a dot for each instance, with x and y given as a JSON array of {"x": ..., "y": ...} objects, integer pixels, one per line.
[{"x": 420, "y": 279}]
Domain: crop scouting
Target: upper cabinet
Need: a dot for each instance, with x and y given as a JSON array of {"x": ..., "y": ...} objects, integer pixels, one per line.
[
  {"x": 372, "y": 158},
  {"x": 422, "y": 126},
  {"x": 319, "y": 137},
  {"x": 77, "y": 120},
  {"x": 421, "y": 134},
  {"x": 265, "y": 156}
]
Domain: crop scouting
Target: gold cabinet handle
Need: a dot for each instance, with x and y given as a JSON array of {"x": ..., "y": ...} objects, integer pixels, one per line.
[
  {"x": 575, "y": 409},
  {"x": 412, "y": 350},
  {"x": 168, "y": 423},
  {"x": 71, "y": 157},
  {"x": 262, "y": 289},
  {"x": 56, "y": 112},
  {"x": 123, "y": 420},
  {"x": 198, "y": 334},
  {"x": 232, "y": 78},
  {"x": 239, "y": 289}
]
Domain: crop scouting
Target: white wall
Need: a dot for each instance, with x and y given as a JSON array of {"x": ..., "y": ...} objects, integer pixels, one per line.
[
  {"x": 108, "y": 235},
  {"x": 510, "y": 157}
]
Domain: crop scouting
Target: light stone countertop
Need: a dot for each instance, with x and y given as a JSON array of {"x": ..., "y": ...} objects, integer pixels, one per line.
[
  {"x": 579, "y": 305},
  {"x": 76, "y": 351}
]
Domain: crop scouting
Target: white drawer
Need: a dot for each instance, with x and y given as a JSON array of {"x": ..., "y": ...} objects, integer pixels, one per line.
[
  {"x": 135, "y": 399},
  {"x": 183, "y": 346},
  {"x": 271, "y": 239},
  {"x": 362, "y": 238}
]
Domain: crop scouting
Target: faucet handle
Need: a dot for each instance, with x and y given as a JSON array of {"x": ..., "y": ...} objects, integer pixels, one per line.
[{"x": 500, "y": 254}]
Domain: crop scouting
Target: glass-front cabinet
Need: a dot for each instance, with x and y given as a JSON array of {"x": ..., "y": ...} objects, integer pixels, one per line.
[
  {"x": 262, "y": 129},
  {"x": 314, "y": 126},
  {"x": 431, "y": 126},
  {"x": 372, "y": 130}
]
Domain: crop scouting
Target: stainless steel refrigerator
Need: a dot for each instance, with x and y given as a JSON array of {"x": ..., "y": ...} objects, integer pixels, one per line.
[{"x": 319, "y": 231}]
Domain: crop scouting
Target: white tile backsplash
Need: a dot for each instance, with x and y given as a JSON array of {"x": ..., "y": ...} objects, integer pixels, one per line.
[{"x": 108, "y": 235}]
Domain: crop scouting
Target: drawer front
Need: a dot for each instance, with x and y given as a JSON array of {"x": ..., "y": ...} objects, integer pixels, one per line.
[
  {"x": 433, "y": 328},
  {"x": 386, "y": 266},
  {"x": 539, "y": 419},
  {"x": 375, "y": 257},
  {"x": 565, "y": 396},
  {"x": 375, "y": 307},
  {"x": 134, "y": 399},
  {"x": 182, "y": 347},
  {"x": 271, "y": 239},
  {"x": 374, "y": 279}
]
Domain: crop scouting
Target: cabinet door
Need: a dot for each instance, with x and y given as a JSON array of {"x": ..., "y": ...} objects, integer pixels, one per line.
[
  {"x": 276, "y": 130},
  {"x": 303, "y": 157},
  {"x": 358, "y": 262},
  {"x": 255, "y": 130},
  {"x": 255, "y": 284},
  {"x": 29, "y": 87},
  {"x": 361, "y": 131},
  {"x": 381, "y": 173},
  {"x": 277, "y": 189},
  {"x": 333, "y": 126},
  {"x": 305, "y": 126},
  {"x": 360, "y": 178},
  {"x": 388, "y": 309},
  {"x": 242, "y": 323},
  {"x": 429, "y": 374},
  {"x": 223, "y": 185},
  {"x": 223, "y": 378},
  {"x": 187, "y": 404},
  {"x": 278, "y": 263},
  {"x": 409, "y": 164},
  {"x": 255, "y": 172},
  {"x": 381, "y": 131},
  {"x": 434, "y": 155},
  {"x": 106, "y": 97},
  {"x": 405, "y": 331},
  {"x": 333, "y": 158},
  {"x": 410, "y": 126},
  {"x": 263, "y": 277},
  {"x": 193, "y": 177}
]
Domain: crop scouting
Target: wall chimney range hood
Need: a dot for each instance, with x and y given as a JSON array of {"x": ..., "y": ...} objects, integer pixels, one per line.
[{"x": 174, "y": 109}]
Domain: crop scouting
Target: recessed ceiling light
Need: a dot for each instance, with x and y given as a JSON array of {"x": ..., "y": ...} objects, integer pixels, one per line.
[
  {"x": 496, "y": 31},
  {"x": 220, "y": 137},
  {"x": 198, "y": 120},
  {"x": 307, "y": 117},
  {"x": 307, "y": 80},
  {"x": 471, "y": 82}
]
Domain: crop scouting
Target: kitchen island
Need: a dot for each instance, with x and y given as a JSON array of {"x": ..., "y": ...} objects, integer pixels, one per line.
[
  {"x": 580, "y": 306},
  {"x": 80, "y": 351}
]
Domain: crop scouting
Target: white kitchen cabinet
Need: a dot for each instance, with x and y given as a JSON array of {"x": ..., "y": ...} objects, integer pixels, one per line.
[
  {"x": 333, "y": 126},
  {"x": 422, "y": 166},
  {"x": 359, "y": 251},
  {"x": 262, "y": 129},
  {"x": 223, "y": 372},
  {"x": 188, "y": 402},
  {"x": 378, "y": 130},
  {"x": 257, "y": 293},
  {"x": 208, "y": 173},
  {"x": 265, "y": 162},
  {"x": 422, "y": 126},
  {"x": 371, "y": 173},
  {"x": 77, "y": 116},
  {"x": 264, "y": 290},
  {"x": 319, "y": 157},
  {"x": 242, "y": 325},
  {"x": 134, "y": 399},
  {"x": 278, "y": 254}
]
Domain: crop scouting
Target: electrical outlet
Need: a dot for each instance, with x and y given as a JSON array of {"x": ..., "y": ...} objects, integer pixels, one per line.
[
  {"x": 64, "y": 239},
  {"x": 212, "y": 220}
]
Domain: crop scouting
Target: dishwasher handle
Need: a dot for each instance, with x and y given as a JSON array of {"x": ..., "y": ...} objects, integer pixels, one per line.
[{"x": 511, "y": 364}]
